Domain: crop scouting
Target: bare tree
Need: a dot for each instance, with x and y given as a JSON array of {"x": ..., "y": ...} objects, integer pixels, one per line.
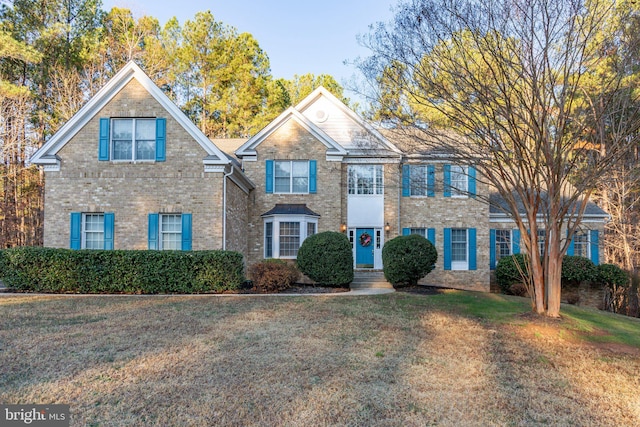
[{"x": 514, "y": 84}]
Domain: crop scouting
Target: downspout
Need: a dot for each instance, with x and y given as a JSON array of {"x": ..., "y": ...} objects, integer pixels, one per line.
[{"x": 224, "y": 207}]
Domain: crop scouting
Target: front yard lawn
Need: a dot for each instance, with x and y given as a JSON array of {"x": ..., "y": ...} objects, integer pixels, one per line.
[{"x": 453, "y": 358}]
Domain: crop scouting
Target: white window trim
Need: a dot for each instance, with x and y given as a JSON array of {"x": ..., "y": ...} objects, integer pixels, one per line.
[
  {"x": 425, "y": 183},
  {"x": 83, "y": 228},
  {"x": 587, "y": 243},
  {"x": 133, "y": 140},
  {"x": 457, "y": 193},
  {"x": 375, "y": 193},
  {"x": 460, "y": 265},
  {"x": 275, "y": 232},
  {"x": 291, "y": 162},
  {"x": 161, "y": 232}
]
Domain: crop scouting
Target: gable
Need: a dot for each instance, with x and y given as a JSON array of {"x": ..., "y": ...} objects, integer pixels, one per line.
[{"x": 47, "y": 155}]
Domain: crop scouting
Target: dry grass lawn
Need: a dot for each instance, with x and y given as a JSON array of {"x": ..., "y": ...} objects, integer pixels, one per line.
[{"x": 389, "y": 360}]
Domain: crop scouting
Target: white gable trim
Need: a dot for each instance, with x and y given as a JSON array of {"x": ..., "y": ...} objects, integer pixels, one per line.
[
  {"x": 247, "y": 151},
  {"x": 46, "y": 155},
  {"x": 321, "y": 91}
]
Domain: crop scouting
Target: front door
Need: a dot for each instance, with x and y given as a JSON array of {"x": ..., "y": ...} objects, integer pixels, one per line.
[{"x": 364, "y": 247}]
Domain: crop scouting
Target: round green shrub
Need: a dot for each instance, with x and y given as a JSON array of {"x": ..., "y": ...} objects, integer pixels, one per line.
[
  {"x": 512, "y": 270},
  {"x": 327, "y": 258},
  {"x": 407, "y": 259},
  {"x": 612, "y": 276},
  {"x": 576, "y": 269}
]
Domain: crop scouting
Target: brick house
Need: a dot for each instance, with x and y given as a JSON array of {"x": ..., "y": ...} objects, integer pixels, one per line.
[{"x": 131, "y": 171}]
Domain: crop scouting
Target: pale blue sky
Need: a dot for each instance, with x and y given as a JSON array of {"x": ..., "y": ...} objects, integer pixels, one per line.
[{"x": 299, "y": 36}]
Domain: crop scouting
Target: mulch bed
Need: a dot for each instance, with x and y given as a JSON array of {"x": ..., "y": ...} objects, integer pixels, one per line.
[{"x": 420, "y": 290}]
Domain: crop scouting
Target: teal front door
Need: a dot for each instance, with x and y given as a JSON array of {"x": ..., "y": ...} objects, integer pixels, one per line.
[{"x": 364, "y": 247}]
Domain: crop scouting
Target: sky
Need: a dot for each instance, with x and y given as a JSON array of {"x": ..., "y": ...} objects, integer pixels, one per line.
[{"x": 299, "y": 36}]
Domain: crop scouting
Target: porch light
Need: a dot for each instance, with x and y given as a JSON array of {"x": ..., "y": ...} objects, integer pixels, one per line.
[
  {"x": 343, "y": 228},
  {"x": 387, "y": 227}
]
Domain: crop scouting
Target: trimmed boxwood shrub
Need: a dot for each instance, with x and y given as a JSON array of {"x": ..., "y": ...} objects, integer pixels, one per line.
[
  {"x": 511, "y": 270},
  {"x": 407, "y": 259},
  {"x": 273, "y": 275},
  {"x": 576, "y": 269},
  {"x": 121, "y": 271},
  {"x": 327, "y": 258}
]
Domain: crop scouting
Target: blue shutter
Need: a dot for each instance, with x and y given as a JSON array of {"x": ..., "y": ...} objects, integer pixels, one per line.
[
  {"x": 473, "y": 265},
  {"x": 269, "y": 176},
  {"x": 447, "y": 249},
  {"x": 108, "y": 230},
  {"x": 472, "y": 181},
  {"x": 76, "y": 230},
  {"x": 515, "y": 244},
  {"x": 406, "y": 231},
  {"x": 186, "y": 232},
  {"x": 406, "y": 180},
  {"x": 103, "y": 146},
  {"x": 595, "y": 247},
  {"x": 431, "y": 235},
  {"x": 447, "y": 180},
  {"x": 313, "y": 186},
  {"x": 161, "y": 139},
  {"x": 153, "y": 231},
  {"x": 570, "y": 248},
  {"x": 492, "y": 249},
  {"x": 431, "y": 181}
]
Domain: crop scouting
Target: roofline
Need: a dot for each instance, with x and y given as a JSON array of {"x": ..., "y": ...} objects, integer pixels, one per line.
[
  {"x": 321, "y": 90},
  {"x": 248, "y": 148},
  {"x": 88, "y": 111}
]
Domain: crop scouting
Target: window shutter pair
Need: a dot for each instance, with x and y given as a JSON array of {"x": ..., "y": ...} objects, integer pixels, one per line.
[
  {"x": 105, "y": 136},
  {"x": 313, "y": 176},
  {"x": 406, "y": 180},
  {"x": 153, "y": 232},
  {"x": 471, "y": 246},
  {"x": 471, "y": 183},
  {"x": 76, "y": 230}
]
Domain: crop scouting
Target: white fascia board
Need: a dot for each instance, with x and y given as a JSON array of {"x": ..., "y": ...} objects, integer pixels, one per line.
[
  {"x": 501, "y": 217},
  {"x": 302, "y": 105},
  {"x": 249, "y": 147},
  {"x": 129, "y": 72}
]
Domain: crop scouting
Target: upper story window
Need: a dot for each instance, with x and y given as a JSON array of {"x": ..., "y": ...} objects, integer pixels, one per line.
[
  {"x": 365, "y": 179},
  {"x": 459, "y": 181},
  {"x": 133, "y": 139},
  {"x": 291, "y": 176}
]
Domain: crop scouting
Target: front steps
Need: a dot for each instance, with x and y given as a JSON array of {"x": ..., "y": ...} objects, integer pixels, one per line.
[{"x": 369, "y": 279}]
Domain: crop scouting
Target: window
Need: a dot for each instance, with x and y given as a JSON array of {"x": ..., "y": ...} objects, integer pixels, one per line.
[
  {"x": 133, "y": 139},
  {"x": 542, "y": 234},
  {"x": 291, "y": 176},
  {"x": 459, "y": 181},
  {"x": 365, "y": 179},
  {"x": 420, "y": 231},
  {"x": 283, "y": 234},
  {"x": 418, "y": 180},
  {"x": 459, "y": 249},
  {"x": 92, "y": 231},
  {"x": 581, "y": 244},
  {"x": 503, "y": 244},
  {"x": 171, "y": 232}
]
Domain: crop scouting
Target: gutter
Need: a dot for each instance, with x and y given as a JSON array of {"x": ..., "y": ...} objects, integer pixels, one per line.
[{"x": 224, "y": 207}]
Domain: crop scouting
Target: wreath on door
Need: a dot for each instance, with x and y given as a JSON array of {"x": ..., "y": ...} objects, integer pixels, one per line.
[{"x": 365, "y": 239}]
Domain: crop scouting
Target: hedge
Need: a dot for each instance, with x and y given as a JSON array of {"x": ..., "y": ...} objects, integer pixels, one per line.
[{"x": 121, "y": 271}]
